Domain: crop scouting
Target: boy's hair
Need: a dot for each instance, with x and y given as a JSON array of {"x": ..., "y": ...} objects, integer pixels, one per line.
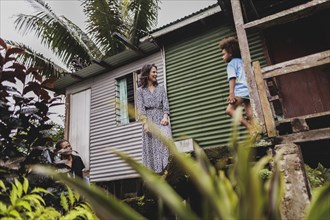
[
  {"x": 230, "y": 44},
  {"x": 59, "y": 143}
]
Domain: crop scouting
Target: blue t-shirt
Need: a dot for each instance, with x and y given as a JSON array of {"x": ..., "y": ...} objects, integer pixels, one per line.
[{"x": 235, "y": 69}]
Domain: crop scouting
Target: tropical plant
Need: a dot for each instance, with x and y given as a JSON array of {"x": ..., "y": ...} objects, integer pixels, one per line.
[
  {"x": 24, "y": 109},
  {"x": 239, "y": 195},
  {"x": 319, "y": 176},
  {"x": 76, "y": 48},
  {"x": 23, "y": 202}
]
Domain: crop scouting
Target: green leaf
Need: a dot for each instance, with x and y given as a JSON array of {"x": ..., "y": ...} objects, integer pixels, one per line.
[
  {"x": 24, "y": 204},
  {"x": 106, "y": 207},
  {"x": 64, "y": 202},
  {"x": 3, "y": 207},
  {"x": 40, "y": 190},
  {"x": 159, "y": 186},
  {"x": 34, "y": 198},
  {"x": 19, "y": 188},
  {"x": 198, "y": 174},
  {"x": 13, "y": 194},
  {"x": 2, "y": 185},
  {"x": 320, "y": 205},
  {"x": 70, "y": 196},
  {"x": 25, "y": 185},
  {"x": 15, "y": 213}
]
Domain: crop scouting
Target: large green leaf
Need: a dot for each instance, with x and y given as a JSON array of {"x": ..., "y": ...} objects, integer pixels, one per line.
[
  {"x": 103, "y": 20},
  {"x": 32, "y": 58},
  {"x": 159, "y": 186},
  {"x": 106, "y": 207},
  {"x": 54, "y": 32},
  {"x": 320, "y": 204}
]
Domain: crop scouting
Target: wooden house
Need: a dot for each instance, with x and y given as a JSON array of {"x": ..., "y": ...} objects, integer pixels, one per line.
[{"x": 286, "y": 57}]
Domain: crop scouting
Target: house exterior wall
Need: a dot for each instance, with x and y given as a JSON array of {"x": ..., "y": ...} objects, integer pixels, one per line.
[{"x": 198, "y": 87}]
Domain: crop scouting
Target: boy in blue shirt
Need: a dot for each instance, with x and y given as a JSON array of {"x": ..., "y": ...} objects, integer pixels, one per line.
[{"x": 238, "y": 89}]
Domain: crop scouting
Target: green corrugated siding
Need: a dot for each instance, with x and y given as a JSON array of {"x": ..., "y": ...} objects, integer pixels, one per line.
[{"x": 198, "y": 88}]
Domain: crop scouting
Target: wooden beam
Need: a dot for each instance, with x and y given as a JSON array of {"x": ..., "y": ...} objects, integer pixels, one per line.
[
  {"x": 245, "y": 52},
  {"x": 265, "y": 105},
  {"x": 316, "y": 115},
  {"x": 311, "y": 135},
  {"x": 67, "y": 116},
  {"x": 288, "y": 15},
  {"x": 296, "y": 65}
]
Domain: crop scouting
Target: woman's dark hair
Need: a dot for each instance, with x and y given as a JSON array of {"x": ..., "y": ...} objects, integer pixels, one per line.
[
  {"x": 145, "y": 71},
  {"x": 59, "y": 143},
  {"x": 230, "y": 44}
]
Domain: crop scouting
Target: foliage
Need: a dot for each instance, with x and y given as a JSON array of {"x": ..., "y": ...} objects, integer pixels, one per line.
[
  {"x": 76, "y": 48},
  {"x": 58, "y": 131},
  {"x": 24, "y": 108},
  {"x": 320, "y": 205},
  {"x": 317, "y": 177},
  {"x": 21, "y": 202},
  {"x": 242, "y": 195}
]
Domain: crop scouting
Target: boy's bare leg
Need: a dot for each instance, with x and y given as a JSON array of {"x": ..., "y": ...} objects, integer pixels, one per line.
[
  {"x": 231, "y": 108},
  {"x": 254, "y": 127}
]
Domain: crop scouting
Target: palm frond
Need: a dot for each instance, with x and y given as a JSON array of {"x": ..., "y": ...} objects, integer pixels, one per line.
[
  {"x": 31, "y": 58},
  {"x": 54, "y": 32},
  {"x": 98, "y": 54},
  {"x": 104, "y": 19},
  {"x": 145, "y": 14}
]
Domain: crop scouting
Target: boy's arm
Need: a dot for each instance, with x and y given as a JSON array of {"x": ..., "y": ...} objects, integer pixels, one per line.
[{"x": 231, "y": 98}]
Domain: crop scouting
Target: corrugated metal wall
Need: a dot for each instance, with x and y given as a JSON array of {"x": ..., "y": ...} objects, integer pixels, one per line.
[
  {"x": 198, "y": 87},
  {"x": 104, "y": 131}
]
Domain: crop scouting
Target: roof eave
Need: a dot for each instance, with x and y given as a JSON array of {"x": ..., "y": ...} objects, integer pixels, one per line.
[{"x": 183, "y": 22}]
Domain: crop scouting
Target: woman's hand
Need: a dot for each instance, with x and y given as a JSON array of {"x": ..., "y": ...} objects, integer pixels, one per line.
[
  {"x": 231, "y": 98},
  {"x": 164, "y": 121}
]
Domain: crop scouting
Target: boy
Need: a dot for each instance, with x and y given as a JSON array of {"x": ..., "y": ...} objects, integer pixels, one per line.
[{"x": 238, "y": 90}]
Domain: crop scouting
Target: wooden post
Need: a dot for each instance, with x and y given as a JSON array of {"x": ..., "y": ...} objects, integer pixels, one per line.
[
  {"x": 265, "y": 105},
  {"x": 67, "y": 117},
  {"x": 245, "y": 52},
  {"x": 296, "y": 188}
]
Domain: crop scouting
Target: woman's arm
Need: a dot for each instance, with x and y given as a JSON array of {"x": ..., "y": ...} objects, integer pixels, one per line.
[{"x": 166, "y": 109}]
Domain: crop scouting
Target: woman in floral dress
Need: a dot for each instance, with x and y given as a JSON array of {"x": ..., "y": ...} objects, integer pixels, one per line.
[{"x": 152, "y": 103}]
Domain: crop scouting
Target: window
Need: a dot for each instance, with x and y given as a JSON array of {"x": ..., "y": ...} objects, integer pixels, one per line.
[{"x": 125, "y": 98}]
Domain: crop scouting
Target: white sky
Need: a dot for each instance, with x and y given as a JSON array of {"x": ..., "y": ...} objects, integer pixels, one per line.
[{"x": 170, "y": 10}]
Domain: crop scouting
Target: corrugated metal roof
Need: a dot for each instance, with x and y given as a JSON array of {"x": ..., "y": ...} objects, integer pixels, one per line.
[
  {"x": 187, "y": 17},
  {"x": 129, "y": 55}
]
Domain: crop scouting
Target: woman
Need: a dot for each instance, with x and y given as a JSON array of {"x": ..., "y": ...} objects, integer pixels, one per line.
[
  {"x": 74, "y": 162},
  {"x": 152, "y": 104}
]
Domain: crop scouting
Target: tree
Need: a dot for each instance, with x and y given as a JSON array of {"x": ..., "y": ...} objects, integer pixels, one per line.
[
  {"x": 74, "y": 47},
  {"x": 24, "y": 108}
]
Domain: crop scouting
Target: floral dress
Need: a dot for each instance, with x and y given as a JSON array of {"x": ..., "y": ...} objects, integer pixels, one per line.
[{"x": 153, "y": 105}]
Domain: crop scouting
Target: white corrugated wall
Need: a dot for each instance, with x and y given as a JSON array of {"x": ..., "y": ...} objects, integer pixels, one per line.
[{"x": 104, "y": 131}]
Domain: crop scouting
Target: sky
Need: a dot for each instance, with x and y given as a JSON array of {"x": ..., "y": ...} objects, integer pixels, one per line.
[{"x": 170, "y": 10}]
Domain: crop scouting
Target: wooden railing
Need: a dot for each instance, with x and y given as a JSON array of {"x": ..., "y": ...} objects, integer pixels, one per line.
[{"x": 261, "y": 74}]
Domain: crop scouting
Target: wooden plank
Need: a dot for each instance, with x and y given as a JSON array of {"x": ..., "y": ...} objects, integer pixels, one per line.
[
  {"x": 311, "y": 135},
  {"x": 67, "y": 116},
  {"x": 288, "y": 15},
  {"x": 265, "y": 105},
  {"x": 316, "y": 115},
  {"x": 295, "y": 65},
  {"x": 245, "y": 52}
]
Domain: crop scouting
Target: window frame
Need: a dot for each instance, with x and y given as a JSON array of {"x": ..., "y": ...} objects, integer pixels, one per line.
[{"x": 135, "y": 79}]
